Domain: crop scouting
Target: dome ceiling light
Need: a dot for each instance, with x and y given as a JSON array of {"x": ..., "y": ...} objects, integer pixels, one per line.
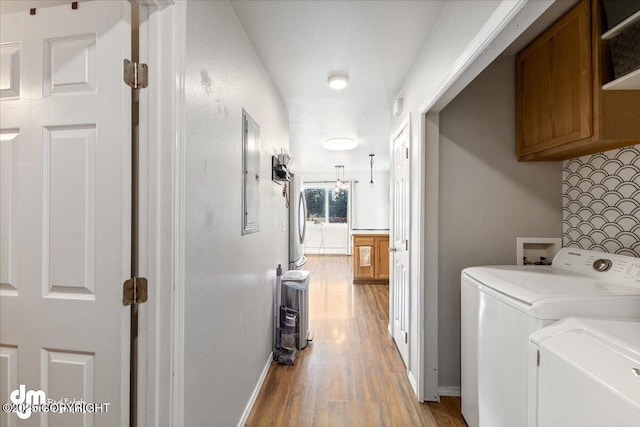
[
  {"x": 340, "y": 144},
  {"x": 338, "y": 81}
]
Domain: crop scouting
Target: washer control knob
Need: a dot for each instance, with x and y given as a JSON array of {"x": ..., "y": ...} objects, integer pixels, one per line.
[{"x": 602, "y": 264}]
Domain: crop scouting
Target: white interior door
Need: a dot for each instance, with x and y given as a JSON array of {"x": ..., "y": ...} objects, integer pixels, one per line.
[
  {"x": 65, "y": 209},
  {"x": 399, "y": 259}
]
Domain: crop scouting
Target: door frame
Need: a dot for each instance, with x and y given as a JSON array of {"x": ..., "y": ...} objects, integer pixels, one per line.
[
  {"x": 427, "y": 257},
  {"x": 162, "y": 35},
  {"x": 507, "y": 22}
]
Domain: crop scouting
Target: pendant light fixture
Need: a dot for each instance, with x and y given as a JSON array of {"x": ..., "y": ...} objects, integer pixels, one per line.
[{"x": 339, "y": 177}]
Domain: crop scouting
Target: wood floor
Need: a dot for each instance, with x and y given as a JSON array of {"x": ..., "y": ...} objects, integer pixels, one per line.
[{"x": 351, "y": 374}]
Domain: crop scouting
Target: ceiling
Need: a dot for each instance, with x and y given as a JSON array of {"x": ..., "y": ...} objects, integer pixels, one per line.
[{"x": 301, "y": 43}]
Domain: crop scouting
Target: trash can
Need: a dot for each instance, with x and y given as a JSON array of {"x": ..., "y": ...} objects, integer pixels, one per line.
[{"x": 295, "y": 297}]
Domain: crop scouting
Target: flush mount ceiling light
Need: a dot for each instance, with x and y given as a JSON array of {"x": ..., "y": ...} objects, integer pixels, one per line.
[
  {"x": 338, "y": 81},
  {"x": 340, "y": 144}
]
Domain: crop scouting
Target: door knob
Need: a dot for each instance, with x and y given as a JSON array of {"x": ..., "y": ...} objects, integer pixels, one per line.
[{"x": 393, "y": 249}]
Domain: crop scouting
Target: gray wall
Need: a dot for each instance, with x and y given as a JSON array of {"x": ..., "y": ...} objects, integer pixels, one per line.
[
  {"x": 487, "y": 198},
  {"x": 230, "y": 278}
]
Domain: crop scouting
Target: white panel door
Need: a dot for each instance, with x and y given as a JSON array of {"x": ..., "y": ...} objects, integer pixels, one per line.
[
  {"x": 65, "y": 178},
  {"x": 399, "y": 259}
]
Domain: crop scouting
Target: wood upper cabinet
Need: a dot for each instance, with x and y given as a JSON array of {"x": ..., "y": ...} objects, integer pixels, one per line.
[
  {"x": 370, "y": 258},
  {"x": 561, "y": 109},
  {"x": 554, "y": 85}
]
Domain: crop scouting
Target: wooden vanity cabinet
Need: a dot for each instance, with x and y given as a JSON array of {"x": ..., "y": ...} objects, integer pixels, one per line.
[
  {"x": 562, "y": 110},
  {"x": 374, "y": 267}
]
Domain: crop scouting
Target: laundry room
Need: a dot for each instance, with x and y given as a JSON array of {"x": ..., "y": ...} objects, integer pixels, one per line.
[
  {"x": 487, "y": 199},
  {"x": 590, "y": 201}
]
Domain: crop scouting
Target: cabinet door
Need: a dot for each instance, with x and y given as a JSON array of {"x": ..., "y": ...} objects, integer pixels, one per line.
[
  {"x": 382, "y": 257},
  {"x": 553, "y": 95},
  {"x": 363, "y": 257},
  {"x": 364, "y": 261}
]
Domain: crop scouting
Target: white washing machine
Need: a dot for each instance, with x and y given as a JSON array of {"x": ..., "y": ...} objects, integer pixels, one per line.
[
  {"x": 502, "y": 305},
  {"x": 585, "y": 372}
]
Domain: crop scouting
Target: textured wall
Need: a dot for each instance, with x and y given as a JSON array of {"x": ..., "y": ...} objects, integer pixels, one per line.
[
  {"x": 230, "y": 278},
  {"x": 601, "y": 202}
]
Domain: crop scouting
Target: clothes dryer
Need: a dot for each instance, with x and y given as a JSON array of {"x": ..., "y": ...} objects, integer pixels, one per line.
[{"x": 585, "y": 372}]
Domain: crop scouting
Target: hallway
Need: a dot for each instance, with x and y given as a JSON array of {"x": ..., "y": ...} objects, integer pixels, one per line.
[{"x": 351, "y": 374}]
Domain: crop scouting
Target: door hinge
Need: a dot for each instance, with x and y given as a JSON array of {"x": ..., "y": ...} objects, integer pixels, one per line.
[
  {"x": 538, "y": 358},
  {"x": 406, "y": 337},
  {"x": 406, "y": 245},
  {"x": 136, "y": 75},
  {"x": 134, "y": 291},
  {"x": 406, "y": 151}
]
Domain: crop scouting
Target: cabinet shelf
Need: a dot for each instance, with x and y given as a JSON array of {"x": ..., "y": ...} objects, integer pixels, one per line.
[
  {"x": 621, "y": 26},
  {"x": 629, "y": 81}
]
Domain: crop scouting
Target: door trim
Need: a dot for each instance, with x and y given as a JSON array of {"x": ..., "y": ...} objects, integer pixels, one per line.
[
  {"x": 507, "y": 22},
  {"x": 179, "y": 31},
  {"x": 428, "y": 257},
  {"x": 162, "y": 35}
]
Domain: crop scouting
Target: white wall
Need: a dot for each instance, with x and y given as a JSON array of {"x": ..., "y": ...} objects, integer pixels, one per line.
[
  {"x": 487, "y": 198},
  {"x": 327, "y": 239},
  {"x": 230, "y": 278},
  {"x": 371, "y": 201}
]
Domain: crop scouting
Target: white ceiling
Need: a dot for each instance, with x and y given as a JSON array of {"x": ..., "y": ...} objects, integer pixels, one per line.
[{"x": 301, "y": 43}]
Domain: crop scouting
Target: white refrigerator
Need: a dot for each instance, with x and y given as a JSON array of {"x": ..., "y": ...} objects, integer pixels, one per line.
[{"x": 297, "y": 223}]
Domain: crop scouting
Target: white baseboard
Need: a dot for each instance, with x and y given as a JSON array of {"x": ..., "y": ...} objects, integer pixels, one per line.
[
  {"x": 325, "y": 251},
  {"x": 449, "y": 390},
  {"x": 256, "y": 391}
]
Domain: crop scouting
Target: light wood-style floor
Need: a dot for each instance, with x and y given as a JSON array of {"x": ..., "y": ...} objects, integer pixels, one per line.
[{"x": 351, "y": 374}]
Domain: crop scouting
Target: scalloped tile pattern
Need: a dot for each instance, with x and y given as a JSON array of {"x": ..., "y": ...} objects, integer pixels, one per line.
[{"x": 601, "y": 202}]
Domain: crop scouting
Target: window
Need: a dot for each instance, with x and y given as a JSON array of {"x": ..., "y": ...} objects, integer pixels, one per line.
[{"x": 326, "y": 205}]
